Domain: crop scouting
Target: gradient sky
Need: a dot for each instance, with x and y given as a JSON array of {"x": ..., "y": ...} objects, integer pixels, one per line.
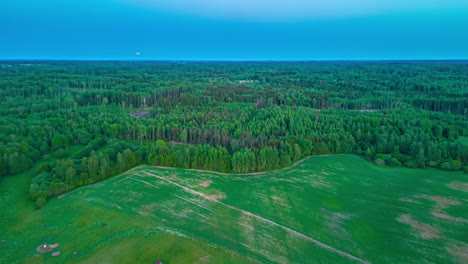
[{"x": 234, "y": 29}]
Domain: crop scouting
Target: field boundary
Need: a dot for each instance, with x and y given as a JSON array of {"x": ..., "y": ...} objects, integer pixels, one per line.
[{"x": 250, "y": 173}]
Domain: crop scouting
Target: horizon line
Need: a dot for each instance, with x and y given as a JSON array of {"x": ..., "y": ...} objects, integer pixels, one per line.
[{"x": 237, "y": 60}]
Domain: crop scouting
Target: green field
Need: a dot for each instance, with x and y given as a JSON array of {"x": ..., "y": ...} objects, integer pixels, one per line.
[{"x": 326, "y": 209}]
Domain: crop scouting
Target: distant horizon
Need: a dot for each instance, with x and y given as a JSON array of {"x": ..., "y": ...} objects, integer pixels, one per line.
[{"x": 237, "y": 60}]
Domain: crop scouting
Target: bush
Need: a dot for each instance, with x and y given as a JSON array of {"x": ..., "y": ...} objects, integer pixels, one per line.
[
  {"x": 96, "y": 143},
  {"x": 58, "y": 188},
  {"x": 59, "y": 141},
  {"x": 84, "y": 152},
  {"x": 34, "y": 155},
  {"x": 433, "y": 164},
  {"x": 394, "y": 162},
  {"x": 83, "y": 177},
  {"x": 379, "y": 162},
  {"x": 43, "y": 168},
  {"x": 383, "y": 156},
  {"x": 465, "y": 169},
  {"x": 115, "y": 146},
  {"x": 111, "y": 153},
  {"x": 402, "y": 158},
  {"x": 40, "y": 202},
  {"x": 410, "y": 164},
  {"x": 450, "y": 165},
  {"x": 61, "y": 153}
]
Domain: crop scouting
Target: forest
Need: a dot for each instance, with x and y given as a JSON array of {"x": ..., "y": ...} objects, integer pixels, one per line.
[{"x": 79, "y": 122}]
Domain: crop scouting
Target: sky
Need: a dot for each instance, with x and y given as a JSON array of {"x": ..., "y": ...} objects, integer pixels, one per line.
[{"x": 234, "y": 29}]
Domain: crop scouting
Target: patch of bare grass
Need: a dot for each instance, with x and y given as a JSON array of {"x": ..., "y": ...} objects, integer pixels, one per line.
[
  {"x": 459, "y": 251},
  {"x": 459, "y": 186},
  {"x": 425, "y": 231},
  {"x": 443, "y": 203},
  {"x": 205, "y": 183},
  {"x": 216, "y": 197}
]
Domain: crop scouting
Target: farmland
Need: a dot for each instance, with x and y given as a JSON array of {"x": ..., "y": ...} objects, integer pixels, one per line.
[
  {"x": 211, "y": 132},
  {"x": 233, "y": 162},
  {"x": 324, "y": 209}
]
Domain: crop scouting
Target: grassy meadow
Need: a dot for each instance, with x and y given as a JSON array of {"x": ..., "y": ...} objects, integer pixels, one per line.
[{"x": 325, "y": 209}]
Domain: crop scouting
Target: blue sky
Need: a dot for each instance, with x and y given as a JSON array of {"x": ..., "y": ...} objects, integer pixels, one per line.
[{"x": 234, "y": 29}]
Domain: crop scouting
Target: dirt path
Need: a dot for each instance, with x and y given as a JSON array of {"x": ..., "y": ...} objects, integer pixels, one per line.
[{"x": 318, "y": 243}]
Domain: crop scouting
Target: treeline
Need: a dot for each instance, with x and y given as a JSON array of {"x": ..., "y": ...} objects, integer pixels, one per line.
[
  {"x": 59, "y": 176},
  {"x": 219, "y": 159},
  {"x": 190, "y": 157}
]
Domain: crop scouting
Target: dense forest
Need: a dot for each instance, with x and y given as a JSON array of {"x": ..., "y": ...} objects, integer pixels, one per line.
[{"x": 77, "y": 123}]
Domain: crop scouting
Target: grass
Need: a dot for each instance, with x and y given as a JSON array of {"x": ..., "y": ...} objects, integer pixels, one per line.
[{"x": 327, "y": 209}]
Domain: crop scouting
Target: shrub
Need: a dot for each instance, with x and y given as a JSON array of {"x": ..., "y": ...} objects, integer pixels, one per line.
[
  {"x": 43, "y": 168},
  {"x": 84, "y": 152},
  {"x": 61, "y": 153},
  {"x": 40, "y": 202},
  {"x": 59, "y": 141},
  {"x": 410, "y": 164},
  {"x": 394, "y": 162},
  {"x": 450, "y": 165},
  {"x": 379, "y": 162},
  {"x": 402, "y": 158},
  {"x": 433, "y": 164}
]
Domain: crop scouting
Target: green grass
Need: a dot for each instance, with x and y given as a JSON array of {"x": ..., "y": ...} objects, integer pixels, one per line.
[{"x": 327, "y": 209}]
